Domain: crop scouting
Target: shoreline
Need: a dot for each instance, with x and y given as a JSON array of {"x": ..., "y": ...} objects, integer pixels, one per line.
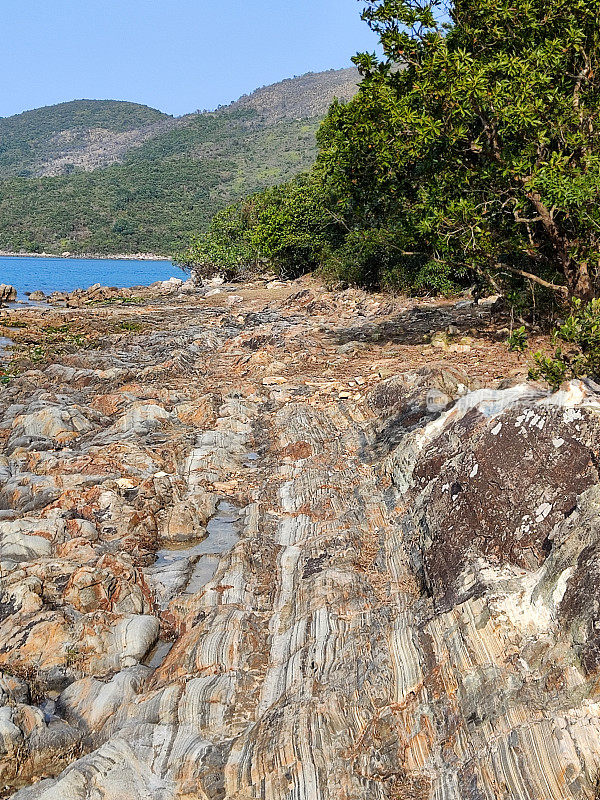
[{"x": 88, "y": 256}]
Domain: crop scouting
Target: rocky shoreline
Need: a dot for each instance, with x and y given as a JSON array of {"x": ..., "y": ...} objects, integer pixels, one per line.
[
  {"x": 107, "y": 294},
  {"x": 96, "y": 256},
  {"x": 269, "y": 541}
]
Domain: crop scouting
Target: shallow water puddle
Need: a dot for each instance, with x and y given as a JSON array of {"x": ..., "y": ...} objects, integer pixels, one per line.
[{"x": 186, "y": 569}]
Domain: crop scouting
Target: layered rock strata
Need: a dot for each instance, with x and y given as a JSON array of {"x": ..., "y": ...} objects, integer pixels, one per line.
[{"x": 263, "y": 549}]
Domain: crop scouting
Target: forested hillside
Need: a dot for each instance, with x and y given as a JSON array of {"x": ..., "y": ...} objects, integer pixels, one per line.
[
  {"x": 137, "y": 180},
  {"x": 80, "y": 134}
]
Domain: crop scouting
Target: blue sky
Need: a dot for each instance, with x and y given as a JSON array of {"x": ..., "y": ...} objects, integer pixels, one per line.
[{"x": 176, "y": 55}]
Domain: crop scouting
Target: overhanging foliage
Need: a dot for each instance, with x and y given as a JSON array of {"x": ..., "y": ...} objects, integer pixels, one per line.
[{"x": 472, "y": 147}]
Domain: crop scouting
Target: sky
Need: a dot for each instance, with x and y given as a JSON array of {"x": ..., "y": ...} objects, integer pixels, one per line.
[{"x": 175, "y": 55}]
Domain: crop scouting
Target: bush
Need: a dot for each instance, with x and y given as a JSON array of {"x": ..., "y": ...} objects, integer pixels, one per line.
[
  {"x": 581, "y": 330},
  {"x": 285, "y": 229},
  {"x": 372, "y": 258},
  {"x": 517, "y": 341},
  {"x": 226, "y": 248}
]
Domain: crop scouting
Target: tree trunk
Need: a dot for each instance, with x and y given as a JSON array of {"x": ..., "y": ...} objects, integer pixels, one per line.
[
  {"x": 579, "y": 281},
  {"x": 576, "y": 273}
]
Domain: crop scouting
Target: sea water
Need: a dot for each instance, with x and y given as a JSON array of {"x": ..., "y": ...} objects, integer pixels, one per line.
[{"x": 29, "y": 274}]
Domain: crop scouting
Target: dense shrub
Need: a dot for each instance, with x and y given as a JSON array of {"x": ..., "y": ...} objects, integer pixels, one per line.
[
  {"x": 285, "y": 229},
  {"x": 226, "y": 248},
  {"x": 581, "y": 358}
]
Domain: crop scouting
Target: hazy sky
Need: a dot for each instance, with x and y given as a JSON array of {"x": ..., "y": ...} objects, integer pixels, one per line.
[{"x": 176, "y": 55}]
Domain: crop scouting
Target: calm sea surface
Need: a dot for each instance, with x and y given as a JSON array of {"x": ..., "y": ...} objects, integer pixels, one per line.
[{"x": 66, "y": 274}]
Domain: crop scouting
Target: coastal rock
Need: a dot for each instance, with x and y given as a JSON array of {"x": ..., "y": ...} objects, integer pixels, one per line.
[
  {"x": 110, "y": 584},
  {"x": 171, "y": 284},
  {"x": 463, "y": 483},
  {"x": 187, "y": 519},
  {"x": 25, "y": 539},
  {"x": 8, "y": 294},
  {"x": 98, "y": 294},
  {"x": 33, "y": 741},
  {"x": 57, "y": 423},
  {"x": 89, "y": 704},
  {"x": 143, "y": 417},
  {"x": 276, "y": 552}
]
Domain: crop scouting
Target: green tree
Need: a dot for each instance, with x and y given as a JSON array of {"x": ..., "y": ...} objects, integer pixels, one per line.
[
  {"x": 226, "y": 247},
  {"x": 294, "y": 229},
  {"x": 474, "y": 142},
  {"x": 286, "y": 229}
]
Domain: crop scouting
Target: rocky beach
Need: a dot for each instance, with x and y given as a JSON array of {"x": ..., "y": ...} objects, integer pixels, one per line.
[
  {"x": 98, "y": 256},
  {"x": 271, "y": 541}
]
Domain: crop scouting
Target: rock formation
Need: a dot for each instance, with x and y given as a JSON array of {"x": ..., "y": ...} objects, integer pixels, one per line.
[
  {"x": 101, "y": 294},
  {"x": 269, "y": 548},
  {"x": 8, "y": 294}
]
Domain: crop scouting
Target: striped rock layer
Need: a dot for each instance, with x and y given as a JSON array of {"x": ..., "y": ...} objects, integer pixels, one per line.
[{"x": 224, "y": 589}]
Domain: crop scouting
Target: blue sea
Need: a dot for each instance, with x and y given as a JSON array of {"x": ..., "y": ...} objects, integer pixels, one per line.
[{"x": 66, "y": 274}]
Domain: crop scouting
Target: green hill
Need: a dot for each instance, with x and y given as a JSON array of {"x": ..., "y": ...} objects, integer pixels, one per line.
[
  {"x": 39, "y": 142},
  {"x": 109, "y": 177}
]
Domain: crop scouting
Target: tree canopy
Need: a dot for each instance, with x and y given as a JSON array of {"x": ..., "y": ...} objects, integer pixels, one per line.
[{"x": 471, "y": 148}]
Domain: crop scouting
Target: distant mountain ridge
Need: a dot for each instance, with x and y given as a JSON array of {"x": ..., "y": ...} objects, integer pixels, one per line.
[
  {"x": 47, "y": 140},
  {"x": 84, "y": 135},
  {"x": 301, "y": 97},
  {"x": 105, "y": 177}
]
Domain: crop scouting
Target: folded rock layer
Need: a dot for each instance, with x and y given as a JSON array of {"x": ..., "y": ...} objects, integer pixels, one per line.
[{"x": 329, "y": 586}]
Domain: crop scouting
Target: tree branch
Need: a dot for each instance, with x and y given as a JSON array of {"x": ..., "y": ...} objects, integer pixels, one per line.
[
  {"x": 531, "y": 277},
  {"x": 338, "y": 219}
]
